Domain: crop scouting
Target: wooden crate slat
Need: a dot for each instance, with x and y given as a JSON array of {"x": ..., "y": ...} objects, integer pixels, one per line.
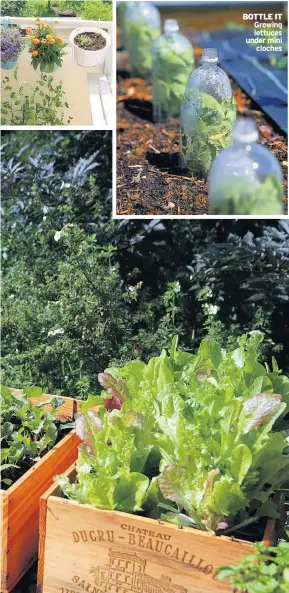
[{"x": 20, "y": 503}]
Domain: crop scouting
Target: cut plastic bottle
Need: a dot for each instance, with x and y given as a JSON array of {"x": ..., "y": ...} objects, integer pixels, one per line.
[
  {"x": 122, "y": 9},
  {"x": 142, "y": 27},
  {"x": 246, "y": 178},
  {"x": 173, "y": 63},
  {"x": 208, "y": 113}
]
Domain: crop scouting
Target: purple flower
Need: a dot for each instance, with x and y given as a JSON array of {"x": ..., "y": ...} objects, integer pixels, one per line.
[{"x": 11, "y": 46}]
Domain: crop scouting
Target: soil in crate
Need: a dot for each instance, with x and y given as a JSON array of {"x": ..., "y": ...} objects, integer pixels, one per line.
[{"x": 90, "y": 41}]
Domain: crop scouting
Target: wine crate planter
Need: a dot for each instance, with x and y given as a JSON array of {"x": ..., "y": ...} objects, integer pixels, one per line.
[
  {"x": 85, "y": 549},
  {"x": 20, "y": 502}
]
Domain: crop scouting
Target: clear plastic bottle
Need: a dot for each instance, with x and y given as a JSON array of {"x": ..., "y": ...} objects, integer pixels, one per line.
[
  {"x": 122, "y": 8},
  {"x": 142, "y": 27},
  {"x": 246, "y": 178},
  {"x": 173, "y": 63},
  {"x": 208, "y": 113}
]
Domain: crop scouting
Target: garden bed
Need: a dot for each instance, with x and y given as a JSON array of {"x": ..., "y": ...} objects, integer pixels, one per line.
[
  {"x": 149, "y": 180},
  {"x": 20, "y": 502}
]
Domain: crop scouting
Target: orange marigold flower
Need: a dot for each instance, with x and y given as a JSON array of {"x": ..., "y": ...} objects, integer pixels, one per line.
[
  {"x": 35, "y": 53},
  {"x": 60, "y": 40},
  {"x": 35, "y": 41},
  {"x": 51, "y": 41},
  {"x": 28, "y": 30},
  {"x": 44, "y": 41}
]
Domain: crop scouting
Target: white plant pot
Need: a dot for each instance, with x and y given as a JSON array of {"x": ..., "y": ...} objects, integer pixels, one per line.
[{"x": 84, "y": 57}]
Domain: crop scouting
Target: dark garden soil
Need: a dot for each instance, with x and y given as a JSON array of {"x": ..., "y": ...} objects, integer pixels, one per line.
[
  {"x": 96, "y": 41},
  {"x": 148, "y": 178}
]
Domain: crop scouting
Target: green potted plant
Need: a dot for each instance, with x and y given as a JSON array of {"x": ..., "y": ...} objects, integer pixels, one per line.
[
  {"x": 45, "y": 47},
  {"x": 11, "y": 47}
]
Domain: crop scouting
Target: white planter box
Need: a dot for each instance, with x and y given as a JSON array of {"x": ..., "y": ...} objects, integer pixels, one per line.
[{"x": 88, "y": 58}]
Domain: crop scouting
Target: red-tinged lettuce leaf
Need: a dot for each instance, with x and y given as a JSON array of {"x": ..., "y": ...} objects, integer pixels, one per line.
[
  {"x": 176, "y": 486},
  {"x": 260, "y": 410},
  {"x": 87, "y": 426}
]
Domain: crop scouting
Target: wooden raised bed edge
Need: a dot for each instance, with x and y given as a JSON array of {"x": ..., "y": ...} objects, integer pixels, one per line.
[
  {"x": 80, "y": 556},
  {"x": 20, "y": 502}
]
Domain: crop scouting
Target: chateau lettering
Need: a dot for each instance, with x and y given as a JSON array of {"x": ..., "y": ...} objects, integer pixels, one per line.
[{"x": 148, "y": 540}]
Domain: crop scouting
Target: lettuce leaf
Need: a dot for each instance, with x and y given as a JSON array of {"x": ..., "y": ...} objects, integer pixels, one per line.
[
  {"x": 171, "y": 71},
  {"x": 139, "y": 41},
  {"x": 206, "y": 128},
  {"x": 235, "y": 196}
]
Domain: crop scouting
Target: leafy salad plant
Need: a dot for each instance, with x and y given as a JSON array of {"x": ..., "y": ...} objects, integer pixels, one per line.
[
  {"x": 234, "y": 196},
  {"x": 209, "y": 130},
  {"x": 140, "y": 38},
  {"x": 27, "y": 431},
  {"x": 197, "y": 440},
  {"x": 264, "y": 571},
  {"x": 172, "y": 68}
]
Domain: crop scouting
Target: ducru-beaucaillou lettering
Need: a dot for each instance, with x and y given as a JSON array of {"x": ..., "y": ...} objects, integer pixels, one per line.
[{"x": 93, "y": 536}]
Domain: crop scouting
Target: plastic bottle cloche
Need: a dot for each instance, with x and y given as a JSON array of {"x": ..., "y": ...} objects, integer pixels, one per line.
[
  {"x": 208, "y": 113},
  {"x": 246, "y": 178},
  {"x": 121, "y": 11},
  {"x": 142, "y": 27},
  {"x": 173, "y": 63}
]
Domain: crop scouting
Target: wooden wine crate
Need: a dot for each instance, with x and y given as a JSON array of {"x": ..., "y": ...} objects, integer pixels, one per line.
[
  {"x": 19, "y": 504},
  {"x": 85, "y": 549}
]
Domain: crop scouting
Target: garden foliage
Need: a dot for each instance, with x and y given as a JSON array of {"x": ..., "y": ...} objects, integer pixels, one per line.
[
  {"x": 264, "y": 571},
  {"x": 41, "y": 105},
  {"x": 27, "y": 431},
  {"x": 209, "y": 129},
  {"x": 197, "y": 436},
  {"x": 87, "y": 9},
  {"x": 147, "y": 280}
]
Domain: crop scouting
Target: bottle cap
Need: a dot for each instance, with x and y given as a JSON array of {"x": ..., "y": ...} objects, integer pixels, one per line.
[
  {"x": 171, "y": 25},
  {"x": 245, "y": 131},
  {"x": 210, "y": 55}
]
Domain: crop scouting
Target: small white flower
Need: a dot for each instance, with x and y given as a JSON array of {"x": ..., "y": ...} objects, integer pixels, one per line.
[
  {"x": 11, "y": 296},
  {"x": 57, "y": 236},
  {"x": 4, "y": 255},
  {"x": 177, "y": 286},
  {"x": 131, "y": 289},
  {"x": 67, "y": 185},
  {"x": 212, "y": 309},
  {"x": 44, "y": 218},
  {"x": 55, "y": 332},
  {"x": 45, "y": 209}
]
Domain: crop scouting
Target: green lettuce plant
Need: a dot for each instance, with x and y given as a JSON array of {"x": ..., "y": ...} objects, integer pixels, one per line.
[
  {"x": 234, "y": 196},
  {"x": 171, "y": 72},
  {"x": 197, "y": 440},
  {"x": 140, "y": 40},
  {"x": 27, "y": 431},
  {"x": 264, "y": 571},
  {"x": 211, "y": 130},
  {"x": 38, "y": 106}
]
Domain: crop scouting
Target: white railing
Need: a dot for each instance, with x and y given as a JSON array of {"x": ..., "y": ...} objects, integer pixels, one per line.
[{"x": 66, "y": 26}]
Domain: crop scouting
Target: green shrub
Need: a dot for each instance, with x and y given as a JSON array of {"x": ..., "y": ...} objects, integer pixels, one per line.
[
  {"x": 38, "y": 8},
  {"x": 12, "y": 7},
  {"x": 97, "y": 10}
]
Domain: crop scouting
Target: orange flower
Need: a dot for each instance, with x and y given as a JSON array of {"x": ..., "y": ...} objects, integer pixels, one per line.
[
  {"x": 35, "y": 53},
  {"x": 28, "y": 30},
  {"x": 35, "y": 41},
  {"x": 44, "y": 41},
  {"x": 60, "y": 40},
  {"x": 51, "y": 41}
]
